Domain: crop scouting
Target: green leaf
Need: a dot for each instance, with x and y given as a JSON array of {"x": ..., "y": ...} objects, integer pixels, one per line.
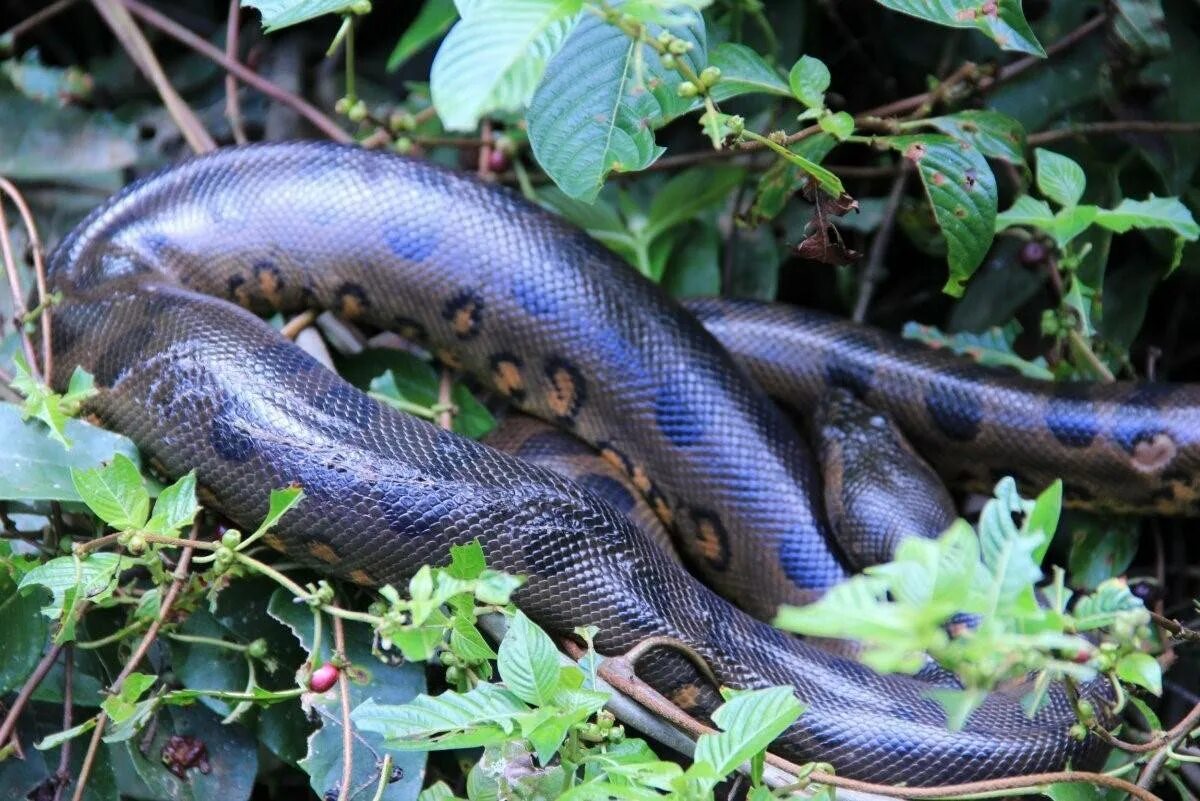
[
  {"x": 493, "y": 58},
  {"x": 278, "y": 14},
  {"x": 40, "y": 401},
  {"x": 282, "y": 501},
  {"x": 122, "y": 705},
  {"x": 839, "y": 125},
  {"x": 996, "y": 135},
  {"x": 1070, "y": 222},
  {"x": 688, "y": 194},
  {"x": 41, "y": 142},
  {"x": 115, "y": 493},
  {"x": 744, "y": 71},
  {"x": 1102, "y": 547},
  {"x": 962, "y": 191},
  {"x": 496, "y": 588},
  {"x": 1008, "y": 551},
  {"x": 1153, "y": 212},
  {"x": 35, "y": 467},
  {"x": 1142, "y": 27},
  {"x": 809, "y": 78},
  {"x": 528, "y": 661},
  {"x": 93, "y": 578},
  {"x": 1110, "y": 600},
  {"x": 749, "y": 722},
  {"x": 957, "y": 704},
  {"x": 602, "y": 97},
  {"x": 175, "y": 507},
  {"x": 992, "y": 347},
  {"x": 22, "y": 631},
  {"x": 1002, "y": 20},
  {"x": 433, "y": 20},
  {"x": 1027, "y": 211},
  {"x": 58, "y": 738},
  {"x": 485, "y": 714},
  {"x": 467, "y": 561},
  {"x": 1059, "y": 178},
  {"x": 1141, "y": 669}
]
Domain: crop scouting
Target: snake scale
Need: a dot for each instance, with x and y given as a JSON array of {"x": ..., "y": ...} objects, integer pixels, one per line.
[{"x": 159, "y": 285}]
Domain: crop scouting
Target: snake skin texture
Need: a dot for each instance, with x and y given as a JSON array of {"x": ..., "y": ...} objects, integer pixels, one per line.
[{"x": 153, "y": 287}]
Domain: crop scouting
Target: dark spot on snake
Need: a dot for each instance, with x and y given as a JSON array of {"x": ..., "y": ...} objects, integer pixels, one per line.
[
  {"x": 410, "y": 329},
  {"x": 848, "y": 372},
  {"x": 1072, "y": 422},
  {"x": 235, "y": 288},
  {"x": 711, "y": 540},
  {"x": 464, "y": 312},
  {"x": 955, "y": 409},
  {"x": 410, "y": 245},
  {"x": 568, "y": 389},
  {"x": 269, "y": 279},
  {"x": 533, "y": 298},
  {"x": 352, "y": 300},
  {"x": 676, "y": 416},
  {"x": 506, "y": 375},
  {"x": 228, "y": 435},
  {"x": 609, "y": 489},
  {"x": 156, "y": 243}
]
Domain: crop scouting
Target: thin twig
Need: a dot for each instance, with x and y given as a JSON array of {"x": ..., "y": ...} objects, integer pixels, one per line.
[
  {"x": 25, "y": 693},
  {"x": 243, "y": 73},
  {"x": 130, "y": 36},
  {"x": 18, "y": 295},
  {"x": 1176, "y": 628},
  {"x": 179, "y": 578},
  {"x": 873, "y": 272},
  {"x": 39, "y": 271},
  {"x": 1166, "y": 742},
  {"x": 62, "y": 777},
  {"x": 1114, "y": 127},
  {"x": 292, "y": 328},
  {"x": 339, "y": 644},
  {"x": 446, "y": 400},
  {"x": 37, "y": 18},
  {"x": 233, "y": 106}
]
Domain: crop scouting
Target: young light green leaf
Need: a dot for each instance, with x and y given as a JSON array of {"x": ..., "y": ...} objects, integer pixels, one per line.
[
  {"x": 81, "y": 386},
  {"x": 809, "y": 78},
  {"x": 1101, "y": 547},
  {"x": 115, "y": 493},
  {"x": 996, "y": 135},
  {"x": 496, "y": 587},
  {"x": 1059, "y": 178},
  {"x": 1153, "y": 212},
  {"x": 282, "y": 501},
  {"x": 1008, "y": 551},
  {"x": 839, "y": 125},
  {"x": 493, "y": 58},
  {"x": 175, "y": 507},
  {"x": 122, "y": 705},
  {"x": 1110, "y": 600},
  {"x": 602, "y": 97},
  {"x": 962, "y": 191},
  {"x": 958, "y": 704},
  {"x": 483, "y": 715},
  {"x": 749, "y": 722},
  {"x": 1002, "y": 20},
  {"x": 433, "y": 20},
  {"x": 528, "y": 661},
  {"x": 1070, "y": 222},
  {"x": 1026, "y": 211},
  {"x": 278, "y": 14},
  {"x": 1141, "y": 669},
  {"x": 744, "y": 71},
  {"x": 467, "y": 561},
  {"x": 94, "y": 577},
  {"x": 40, "y": 401}
]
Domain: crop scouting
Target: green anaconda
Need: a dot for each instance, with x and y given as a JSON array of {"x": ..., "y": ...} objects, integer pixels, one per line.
[{"x": 158, "y": 286}]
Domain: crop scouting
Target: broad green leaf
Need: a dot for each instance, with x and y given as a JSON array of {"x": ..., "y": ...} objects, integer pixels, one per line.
[
  {"x": 35, "y": 467},
  {"x": 393, "y": 375},
  {"x": 528, "y": 661},
  {"x": 1111, "y": 599},
  {"x": 839, "y": 125},
  {"x": 744, "y": 71},
  {"x": 22, "y": 630},
  {"x": 1153, "y": 212},
  {"x": 485, "y": 714},
  {"x": 1141, "y": 26},
  {"x": 122, "y": 705},
  {"x": 996, "y": 135},
  {"x": 278, "y": 14},
  {"x": 94, "y": 577},
  {"x": 1027, "y": 211},
  {"x": 493, "y": 58},
  {"x": 1141, "y": 669},
  {"x": 749, "y": 722},
  {"x": 962, "y": 191},
  {"x": 434, "y": 19},
  {"x": 1041, "y": 518},
  {"x": 496, "y": 588},
  {"x": 992, "y": 347},
  {"x": 467, "y": 561},
  {"x": 58, "y": 738},
  {"x": 1073, "y": 791},
  {"x": 40, "y": 142},
  {"x": 1070, "y": 222},
  {"x": 175, "y": 506},
  {"x": 958, "y": 704},
  {"x": 438, "y": 791},
  {"x": 689, "y": 193},
  {"x": 1059, "y": 178},
  {"x": 40, "y": 401},
  {"x": 1102, "y": 547},
  {"x": 808, "y": 79},
  {"x": 115, "y": 493},
  {"x": 1008, "y": 551},
  {"x": 603, "y": 94},
  {"x": 1002, "y": 20}
]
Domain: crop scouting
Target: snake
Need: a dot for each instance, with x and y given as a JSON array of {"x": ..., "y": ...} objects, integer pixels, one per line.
[{"x": 162, "y": 291}]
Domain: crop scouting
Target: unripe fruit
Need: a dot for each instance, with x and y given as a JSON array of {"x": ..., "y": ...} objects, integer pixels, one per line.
[
  {"x": 710, "y": 75},
  {"x": 688, "y": 89},
  {"x": 231, "y": 538},
  {"x": 257, "y": 649},
  {"x": 323, "y": 678},
  {"x": 358, "y": 112}
]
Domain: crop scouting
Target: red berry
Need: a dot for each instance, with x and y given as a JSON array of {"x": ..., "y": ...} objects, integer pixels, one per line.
[
  {"x": 1082, "y": 656},
  {"x": 323, "y": 678},
  {"x": 497, "y": 160}
]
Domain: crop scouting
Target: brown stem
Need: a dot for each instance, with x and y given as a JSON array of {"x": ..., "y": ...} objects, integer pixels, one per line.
[
  {"x": 339, "y": 645},
  {"x": 131, "y": 38},
  {"x": 873, "y": 273},
  {"x": 1165, "y": 743},
  {"x": 241, "y": 71},
  {"x": 62, "y": 777},
  {"x": 1176, "y": 628},
  {"x": 39, "y": 270},
  {"x": 178, "y": 579},
  {"x": 485, "y": 150},
  {"x": 25, "y": 693},
  {"x": 1114, "y": 127},
  {"x": 37, "y": 18},
  {"x": 1181, "y": 729},
  {"x": 18, "y": 295},
  {"x": 292, "y": 328},
  {"x": 233, "y": 106},
  {"x": 446, "y": 399}
]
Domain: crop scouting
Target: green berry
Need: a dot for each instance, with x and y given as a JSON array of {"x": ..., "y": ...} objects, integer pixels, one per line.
[
  {"x": 231, "y": 538},
  {"x": 136, "y": 544},
  {"x": 679, "y": 47},
  {"x": 258, "y": 649},
  {"x": 360, "y": 7},
  {"x": 342, "y": 105},
  {"x": 688, "y": 89},
  {"x": 358, "y": 112},
  {"x": 710, "y": 75},
  {"x": 667, "y": 60},
  {"x": 403, "y": 146}
]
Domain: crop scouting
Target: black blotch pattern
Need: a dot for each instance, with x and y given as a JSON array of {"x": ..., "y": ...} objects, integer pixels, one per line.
[
  {"x": 845, "y": 371},
  {"x": 609, "y": 489},
  {"x": 354, "y": 293},
  {"x": 228, "y": 435},
  {"x": 955, "y": 410},
  {"x": 232, "y": 286},
  {"x": 267, "y": 267},
  {"x": 1137, "y": 419},
  {"x": 568, "y": 389},
  {"x": 499, "y": 363},
  {"x": 464, "y": 312},
  {"x": 1072, "y": 422},
  {"x": 410, "y": 329},
  {"x": 610, "y": 452}
]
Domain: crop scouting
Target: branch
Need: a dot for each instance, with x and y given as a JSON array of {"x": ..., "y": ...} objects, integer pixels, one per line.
[
  {"x": 36, "y": 18},
  {"x": 233, "y": 108},
  {"x": 1114, "y": 127},
  {"x": 39, "y": 271},
  {"x": 339, "y": 645},
  {"x": 874, "y": 271}
]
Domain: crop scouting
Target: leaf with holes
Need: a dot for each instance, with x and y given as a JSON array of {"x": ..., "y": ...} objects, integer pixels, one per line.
[
  {"x": 494, "y": 57},
  {"x": 996, "y": 135},
  {"x": 1002, "y": 20},
  {"x": 601, "y": 99},
  {"x": 962, "y": 191}
]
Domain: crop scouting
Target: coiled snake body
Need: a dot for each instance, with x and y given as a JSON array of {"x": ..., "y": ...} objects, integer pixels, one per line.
[{"x": 569, "y": 333}]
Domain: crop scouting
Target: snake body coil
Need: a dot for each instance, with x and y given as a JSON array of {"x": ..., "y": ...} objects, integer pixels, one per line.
[{"x": 565, "y": 330}]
